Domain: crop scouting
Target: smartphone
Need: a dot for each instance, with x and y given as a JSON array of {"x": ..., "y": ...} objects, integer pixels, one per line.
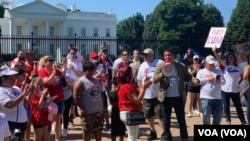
[{"x": 217, "y": 77}]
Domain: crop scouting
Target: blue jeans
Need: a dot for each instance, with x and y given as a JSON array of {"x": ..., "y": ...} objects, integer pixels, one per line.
[
  {"x": 214, "y": 107},
  {"x": 248, "y": 105},
  {"x": 237, "y": 104},
  {"x": 178, "y": 105}
]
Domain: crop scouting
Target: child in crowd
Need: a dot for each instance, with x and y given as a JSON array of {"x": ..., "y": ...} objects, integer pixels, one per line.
[{"x": 39, "y": 109}]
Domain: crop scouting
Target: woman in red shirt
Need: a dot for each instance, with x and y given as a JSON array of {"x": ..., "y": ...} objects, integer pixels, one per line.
[
  {"x": 39, "y": 109},
  {"x": 129, "y": 97},
  {"x": 51, "y": 78}
]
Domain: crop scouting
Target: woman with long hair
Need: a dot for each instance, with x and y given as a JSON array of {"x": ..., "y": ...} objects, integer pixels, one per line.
[
  {"x": 232, "y": 73},
  {"x": 129, "y": 97},
  {"x": 51, "y": 78}
]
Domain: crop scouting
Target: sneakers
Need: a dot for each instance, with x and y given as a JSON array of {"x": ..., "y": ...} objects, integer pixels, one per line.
[
  {"x": 108, "y": 127},
  {"x": 189, "y": 115},
  {"x": 152, "y": 135},
  {"x": 64, "y": 133},
  {"x": 201, "y": 115},
  {"x": 196, "y": 112}
]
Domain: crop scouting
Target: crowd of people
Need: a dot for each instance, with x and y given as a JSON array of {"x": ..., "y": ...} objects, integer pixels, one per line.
[{"x": 46, "y": 95}]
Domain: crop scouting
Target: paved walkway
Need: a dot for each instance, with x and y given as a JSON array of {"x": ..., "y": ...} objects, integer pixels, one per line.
[{"x": 75, "y": 132}]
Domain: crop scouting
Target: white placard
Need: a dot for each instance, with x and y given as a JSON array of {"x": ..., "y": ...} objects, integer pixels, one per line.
[{"x": 215, "y": 37}]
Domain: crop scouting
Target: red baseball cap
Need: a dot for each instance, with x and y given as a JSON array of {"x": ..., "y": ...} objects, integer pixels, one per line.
[{"x": 93, "y": 54}]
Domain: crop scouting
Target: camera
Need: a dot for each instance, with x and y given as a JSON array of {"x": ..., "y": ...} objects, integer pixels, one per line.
[
  {"x": 217, "y": 77},
  {"x": 17, "y": 135},
  {"x": 17, "y": 131}
]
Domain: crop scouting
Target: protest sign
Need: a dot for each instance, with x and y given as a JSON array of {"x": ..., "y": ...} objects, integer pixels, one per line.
[{"x": 215, "y": 37}]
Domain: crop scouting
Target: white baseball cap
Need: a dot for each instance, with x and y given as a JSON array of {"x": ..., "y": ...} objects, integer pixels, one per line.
[
  {"x": 210, "y": 59},
  {"x": 148, "y": 51},
  {"x": 5, "y": 70},
  {"x": 196, "y": 57}
]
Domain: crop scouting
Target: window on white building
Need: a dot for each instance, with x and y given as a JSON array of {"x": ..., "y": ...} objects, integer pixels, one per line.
[
  {"x": 51, "y": 31},
  {"x": 70, "y": 31},
  {"x": 35, "y": 30},
  {"x": 83, "y": 31},
  {"x": 0, "y": 30},
  {"x": 108, "y": 32},
  {"x": 95, "y": 32},
  {"x": 18, "y": 30}
]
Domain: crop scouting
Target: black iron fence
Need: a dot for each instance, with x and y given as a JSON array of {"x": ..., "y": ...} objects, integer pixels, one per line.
[{"x": 57, "y": 46}]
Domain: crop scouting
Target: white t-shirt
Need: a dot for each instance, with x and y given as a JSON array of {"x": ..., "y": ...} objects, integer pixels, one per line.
[
  {"x": 210, "y": 89},
  {"x": 77, "y": 65},
  {"x": 116, "y": 63},
  {"x": 232, "y": 75},
  {"x": 153, "y": 90},
  {"x": 4, "y": 127},
  {"x": 6, "y": 94}
]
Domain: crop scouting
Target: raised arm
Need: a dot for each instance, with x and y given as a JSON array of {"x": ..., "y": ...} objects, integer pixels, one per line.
[{"x": 218, "y": 58}]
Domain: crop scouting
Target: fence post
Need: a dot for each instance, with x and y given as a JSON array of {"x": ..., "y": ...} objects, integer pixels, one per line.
[
  {"x": 32, "y": 41},
  {"x": 75, "y": 40}
]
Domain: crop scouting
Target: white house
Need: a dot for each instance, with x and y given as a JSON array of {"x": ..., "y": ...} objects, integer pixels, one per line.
[{"x": 41, "y": 18}]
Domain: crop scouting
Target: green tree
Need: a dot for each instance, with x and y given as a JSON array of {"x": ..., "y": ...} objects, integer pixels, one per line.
[
  {"x": 1, "y": 11},
  {"x": 238, "y": 28},
  {"x": 182, "y": 24},
  {"x": 131, "y": 29}
]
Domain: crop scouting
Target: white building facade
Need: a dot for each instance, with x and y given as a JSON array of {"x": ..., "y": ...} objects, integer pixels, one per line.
[{"x": 41, "y": 18}]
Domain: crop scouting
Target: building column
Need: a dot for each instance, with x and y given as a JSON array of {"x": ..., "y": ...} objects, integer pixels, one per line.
[
  {"x": 29, "y": 27},
  {"x": 63, "y": 28},
  {"x": 47, "y": 28},
  {"x": 11, "y": 21}
]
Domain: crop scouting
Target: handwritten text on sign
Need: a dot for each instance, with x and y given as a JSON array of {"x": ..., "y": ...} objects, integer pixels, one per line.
[{"x": 215, "y": 37}]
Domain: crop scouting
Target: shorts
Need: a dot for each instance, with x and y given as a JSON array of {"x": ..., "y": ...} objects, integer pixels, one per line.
[
  {"x": 92, "y": 122},
  {"x": 151, "y": 108},
  {"x": 194, "y": 89},
  {"x": 61, "y": 106},
  {"x": 41, "y": 126}
]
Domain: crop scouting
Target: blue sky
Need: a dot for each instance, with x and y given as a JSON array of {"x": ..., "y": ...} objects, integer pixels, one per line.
[{"x": 126, "y": 8}]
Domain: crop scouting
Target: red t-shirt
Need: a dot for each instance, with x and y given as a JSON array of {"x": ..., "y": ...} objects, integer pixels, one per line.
[
  {"x": 39, "y": 117},
  {"x": 56, "y": 88},
  {"x": 124, "y": 103}
]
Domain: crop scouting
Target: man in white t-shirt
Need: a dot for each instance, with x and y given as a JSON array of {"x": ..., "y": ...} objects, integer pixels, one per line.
[
  {"x": 211, "y": 79},
  {"x": 151, "y": 105},
  {"x": 123, "y": 58},
  {"x": 74, "y": 65}
]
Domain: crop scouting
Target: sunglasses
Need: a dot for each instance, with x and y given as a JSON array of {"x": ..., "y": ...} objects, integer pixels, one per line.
[
  {"x": 124, "y": 54},
  {"x": 50, "y": 60},
  {"x": 73, "y": 53}
]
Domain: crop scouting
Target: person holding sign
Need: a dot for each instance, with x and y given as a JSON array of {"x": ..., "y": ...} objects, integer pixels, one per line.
[{"x": 231, "y": 90}]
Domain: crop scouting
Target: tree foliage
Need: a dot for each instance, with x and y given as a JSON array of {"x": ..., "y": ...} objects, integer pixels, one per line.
[
  {"x": 131, "y": 29},
  {"x": 175, "y": 24},
  {"x": 238, "y": 28},
  {"x": 184, "y": 23},
  {"x": 1, "y": 11}
]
